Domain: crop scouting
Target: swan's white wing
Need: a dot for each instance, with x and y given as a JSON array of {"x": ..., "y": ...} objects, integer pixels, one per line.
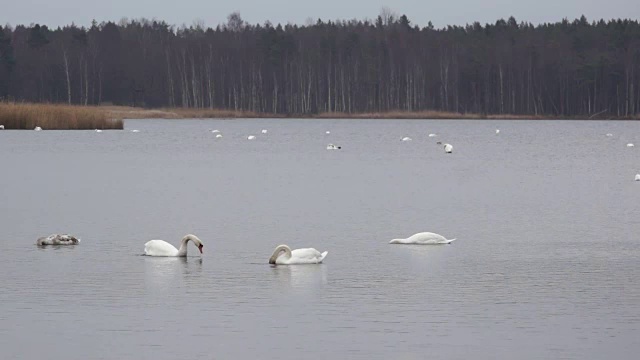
[
  {"x": 306, "y": 256},
  {"x": 159, "y": 248},
  {"x": 428, "y": 238}
]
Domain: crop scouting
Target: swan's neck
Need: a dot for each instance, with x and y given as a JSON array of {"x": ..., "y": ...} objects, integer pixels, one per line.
[
  {"x": 278, "y": 251},
  {"x": 182, "y": 251},
  {"x": 398, "y": 241}
]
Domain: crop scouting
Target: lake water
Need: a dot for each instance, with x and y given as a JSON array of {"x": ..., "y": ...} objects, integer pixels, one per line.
[{"x": 546, "y": 262}]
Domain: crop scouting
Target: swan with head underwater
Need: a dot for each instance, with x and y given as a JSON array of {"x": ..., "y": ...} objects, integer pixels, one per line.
[
  {"x": 283, "y": 255},
  {"x": 58, "y": 239},
  {"x": 423, "y": 238},
  {"x": 163, "y": 248}
]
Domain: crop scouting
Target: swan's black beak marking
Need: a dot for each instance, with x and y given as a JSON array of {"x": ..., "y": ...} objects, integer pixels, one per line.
[{"x": 200, "y": 248}]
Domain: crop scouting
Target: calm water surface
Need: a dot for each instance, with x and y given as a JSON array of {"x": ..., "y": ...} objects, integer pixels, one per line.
[{"x": 546, "y": 264}]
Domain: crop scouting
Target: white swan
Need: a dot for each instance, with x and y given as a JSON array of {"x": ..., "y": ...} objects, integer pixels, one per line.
[
  {"x": 497, "y": 131},
  {"x": 637, "y": 177},
  {"x": 264, "y": 131},
  {"x": 215, "y": 131},
  {"x": 163, "y": 248},
  {"x": 98, "y": 130},
  {"x": 58, "y": 239},
  {"x": 135, "y": 131},
  {"x": 423, "y": 238},
  {"x": 406, "y": 138},
  {"x": 283, "y": 255},
  {"x": 333, "y": 147},
  {"x": 630, "y": 145},
  {"x": 448, "y": 148},
  {"x": 1, "y": 127},
  {"x": 250, "y": 137},
  {"x": 218, "y": 136},
  {"x": 327, "y": 132},
  {"x": 433, "y": 135},
  {"x": 37, "y": 128}
]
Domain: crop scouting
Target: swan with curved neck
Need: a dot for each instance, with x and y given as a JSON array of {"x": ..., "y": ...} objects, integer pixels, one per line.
[
  {"x": 163, "y": 248},
  {"x": 283, "y": 255},
  {"x": 423, "y": 238}
]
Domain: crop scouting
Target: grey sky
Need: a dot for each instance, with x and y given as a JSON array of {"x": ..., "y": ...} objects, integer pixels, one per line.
[{"x": 213, "y": 12}]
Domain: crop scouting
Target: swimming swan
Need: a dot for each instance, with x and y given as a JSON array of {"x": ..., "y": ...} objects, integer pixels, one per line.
[
  {"x": 1, "y": 127},
  {"x": 163, "y": 248},
  {"x": 423, "y": 238},
  {"x": 251, "y": 137},
  {"x": 37, "y": 128},
  {"x": 98, "y": 130},
  {"x": 218, "y": 136},
  {"x": 333, "y": 147},
  {"x": 637, "y": 177},
  {"x": 283, "y": 255},
  {"x": 630, "y": 145},
  {"x": 264, "y": 131},
  {"x": 448, "y": 148},
  {"x": 58, "y": 239},
  {"x": 406, "y": 138}
]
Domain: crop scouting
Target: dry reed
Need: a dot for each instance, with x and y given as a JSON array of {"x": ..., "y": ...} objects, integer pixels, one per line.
[
  {"x": 190, "y": 113},
  {"x": 56, "y": 117}
]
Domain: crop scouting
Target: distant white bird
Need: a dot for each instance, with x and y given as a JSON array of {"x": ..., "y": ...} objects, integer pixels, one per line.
[
  {"x": 215, "y": 131},
  {"x": 163, "y": 248},
  {"x": 497, "y": 131},
  {"x": 283, "y": 255},
  {"x": 135, "y": 131},
  {"x": 432, "y": 135},
  {"x": 37, "y": 128},
  {"x": 327, "y": 132},
  {"x": 448, "y": 148},
  {"x": 609, "y": 134},
  {"x": 264, "y": 131},
  {"x": 406, "y": 138},
  {"x": 333, "y": 147},
  {"x": 98, "y": 130},
  {"x": 58, "y": 239},
  {"x": 218, "y": 136},
  {"x": 630, "y": 145},
  {"x": 423, "y": 238},
  {"x": 250, "y": 137},
  {"x": 637, "y": 177},
  {"x": 1, "y": 127}
]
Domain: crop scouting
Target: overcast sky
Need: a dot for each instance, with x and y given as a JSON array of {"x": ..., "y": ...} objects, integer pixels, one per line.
[{"x": 213, "y": 12}]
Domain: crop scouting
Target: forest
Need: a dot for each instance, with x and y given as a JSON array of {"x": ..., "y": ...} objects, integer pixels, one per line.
[{"x": 577, "y": 68}]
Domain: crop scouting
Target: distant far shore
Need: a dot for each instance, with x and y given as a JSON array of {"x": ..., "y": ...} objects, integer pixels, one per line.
[
  {"x": 29, "y": 116},
  {"x": 126, "y": 112}
]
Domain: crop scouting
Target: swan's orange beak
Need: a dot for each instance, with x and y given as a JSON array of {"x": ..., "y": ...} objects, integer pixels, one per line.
[{"x": 200, "y": 248}]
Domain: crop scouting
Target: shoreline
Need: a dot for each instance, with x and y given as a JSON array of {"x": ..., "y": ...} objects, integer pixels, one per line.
[
  {"x": 125, "y": 112},
  {"x": 77, "y": 117}
]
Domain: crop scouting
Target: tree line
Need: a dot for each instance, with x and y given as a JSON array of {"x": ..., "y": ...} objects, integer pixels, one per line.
[{"x": 568, "y": 68}]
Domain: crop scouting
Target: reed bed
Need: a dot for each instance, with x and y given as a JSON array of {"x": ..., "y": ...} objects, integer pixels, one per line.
[
  {"x": 190, "y": 113},
  {"x": 56, "y": 117}
]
